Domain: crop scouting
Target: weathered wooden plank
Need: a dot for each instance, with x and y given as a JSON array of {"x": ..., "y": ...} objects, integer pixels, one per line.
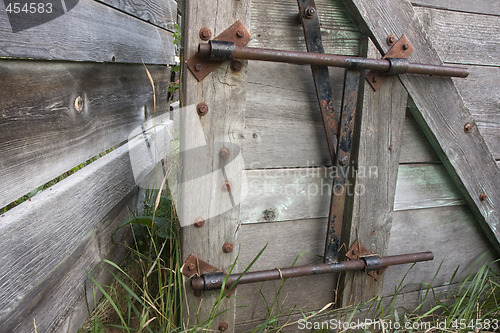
[
  {"x": 44, "y": 135},
  {"x": 224, "y": 93},
  {"x": 439, "y": 110},
  {"x": 90, "y": 31},
  {"x": 415, "y": 147},
  {"x": 491, "y": 7},
  {"x": 40, "y": 234},
  {"x": 162, "y": 14},
  {"x": 275, "y": 26},
  {"x": 423, "y": 230},
  {"x": 380, "y": 141},
  {"x": 461, "y": 37},
  {"x": 303, "y": 193}
]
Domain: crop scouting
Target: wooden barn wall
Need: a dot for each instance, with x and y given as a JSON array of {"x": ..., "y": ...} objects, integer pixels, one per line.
[{"x": 92, "y": 55}]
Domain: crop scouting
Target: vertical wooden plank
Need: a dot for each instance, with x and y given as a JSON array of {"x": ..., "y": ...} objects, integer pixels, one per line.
[
  {"x": 380, "y": 141},
  {"x": 224, "y": 93}
]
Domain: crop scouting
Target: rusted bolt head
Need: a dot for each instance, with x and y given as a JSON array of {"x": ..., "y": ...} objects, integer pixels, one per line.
[
  {"x": 202, "y": 109},
  {"x": 226, "y": 186},
  {"x": 236, "y": 65},
  {"x": 205, "y": 34},
  {"x": 227, "y": 247},
  {"x": 199, "y": 222},
  {"x": 240, "y": 33},
  {"x": 343, "y": 160},
  {"x": 468, "y": 128},
  {"x": 192, "y": 266},
  {"x": 224, "y": 153},
  {"x": 483, "y": 196},
  {"x": 374, "y": 79},
  {"x": 391, "y": 39},
  {"x": 223, "y": 326},
  {"x": 79, "y": 103},
  {"x": 406, "y": 46},
  {"x": 309, "y": 12},
  {"x": 198, "y": 67},
  {"x": 355, "y": 252}
]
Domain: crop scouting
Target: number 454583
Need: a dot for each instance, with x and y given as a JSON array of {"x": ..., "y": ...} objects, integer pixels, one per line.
[{"x": 29, "y": 8}]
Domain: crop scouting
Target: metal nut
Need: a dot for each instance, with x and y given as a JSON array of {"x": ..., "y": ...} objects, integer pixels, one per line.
[
  {"x": 236, "y": 65},
  {"x": 192, "y": 266},
  {"x": 223, "y": 326},
  {"x": 226, "y": 186},
  {"x": 355, "y": 252},
  {"x": 483, "y": 196},
  {"x": 240, "y": 33},
  {"x": 468, "y": 128},
  {"x": 227, "y": 247},
  {"x": 198, "y": 67},
  {"x": 224, "y": 153},
  {"x": 309, "y": 12},
  {"x": 199, "y": 222},
  {"x": 205, "y": 34},
  {"x": 202, "y": 109},
  {"x": 391, "y": 39}
]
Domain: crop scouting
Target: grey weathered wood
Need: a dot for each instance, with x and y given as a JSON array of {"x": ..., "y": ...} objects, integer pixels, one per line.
[
  {"x": 162, "y": 14},
  {"x": 90, "y": 31},
  {"x": 491, "y": 7},
  {"x": 415, "y": 147},
  {"x": 43, "y": 135},
  {"x": 274, "y": 26},
  {"x": 41, "y": 234},
  {"x": 224, "y": 93},
  {"x": 440, "y": 110},
  {"x": 303, "y": 193},
  {"x": 461, "y": 37},
  {"x": 380, "y": 143},
  {"x": 423, "y": 230}
]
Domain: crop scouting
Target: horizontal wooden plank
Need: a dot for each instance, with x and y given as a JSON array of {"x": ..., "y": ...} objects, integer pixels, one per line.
[
  {"x": 41, "y": 233},
  {"x": 290, "y": 194},
  {"x": 451, "y": 233},
  {"x": 275, "y": 26},
  {"x": 479, "y": 6},
  {"x": 44, "y": 135},
  {"x": 461, "y": 37},
  {"x": 91, "y": 31},
  {"x": 162, "y": 14}
]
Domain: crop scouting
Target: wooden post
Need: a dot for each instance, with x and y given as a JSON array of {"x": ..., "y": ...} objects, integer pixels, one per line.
[
  {"x": 224, "y": 93},
  {"x": 439, "y": 110}
]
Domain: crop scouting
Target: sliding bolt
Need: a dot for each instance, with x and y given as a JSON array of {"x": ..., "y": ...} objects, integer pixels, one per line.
[
  {"x": 468, "y": 128},
  {"x": 483, "y": 196},
  {"x": 309, "y": 12},
  {"x": 199, "y": 222},
  {"x": 224, "y": 153},
  {"x": 223, "y": 326},
  {"x": 205, "y": 34},
  {"x": 227, "y": 247},
  {"x": 202, "y": 109}
]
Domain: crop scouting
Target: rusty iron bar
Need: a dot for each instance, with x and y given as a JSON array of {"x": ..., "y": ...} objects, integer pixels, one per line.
[
  {"x": 214, "y": 280},
  {"x": 220, "y": 50}
]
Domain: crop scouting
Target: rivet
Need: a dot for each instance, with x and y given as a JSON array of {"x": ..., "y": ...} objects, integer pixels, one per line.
[
  {"x": 79, "y": 103},
  {"x": 227, "y": 247},
  {"x": 199, "y": 222},
  {"x": 198, "y": 67},
  {"x": 224, "y": 153},
  {"x": 355, "y": 252},
  {"x": 192, "y": 266},
  {"x": 309, "y": 12},
  {"x": 406, "y": 46},
  {"x": 205, "y": 34},
  {"x": 343, "y": 160},
  {"x": 468, "y": 128},
  {"x": 391, "y": 39},
  {"x": 379, "y": 272},
  {"x": 483, "y": 196},
  {"x": 374, "y": 79},
  {"x": 226, "y": 186},
  {"x": 202, "y": 109},
  {"x": 223, "y": 326},
  {"x": 240, "y": 33},
  {"x": 236, "y": 65}
]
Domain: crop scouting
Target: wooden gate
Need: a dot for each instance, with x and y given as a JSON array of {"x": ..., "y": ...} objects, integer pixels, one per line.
[{"x": 426, "y": 150}]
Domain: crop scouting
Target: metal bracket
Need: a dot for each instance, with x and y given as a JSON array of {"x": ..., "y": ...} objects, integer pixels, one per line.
[
  {"x": 201, "y": 67},
  {"x": 400, "y": 50},
  {"x": 358, "y": 251},
  {"x": 194, "y": 266}
]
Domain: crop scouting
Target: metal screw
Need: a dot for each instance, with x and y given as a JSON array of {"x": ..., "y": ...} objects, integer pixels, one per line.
[
  {"x": 355, "y": 252},
  {"x": 468, "y": 128},
  {"x": 192, "y": 266},
  {"x": 236, "y": 65},
  {"x": 379, "y": 272},
  {"x": 226, "y": 186},
  {"x": 406, "y": 46},
  {"x": 205, "y": 33},
  {"x": 374, "y": 79},
  {"x": 309, "y": 12},
  {"x": 240, "y": 33},
  {"x": 223, "y": 326},
  {"x": 224, "y": 153},
  {"x": 483, "y": 196},
  {"x": 202, "y": 109},
  {"x": 79, "y": 103},
  {"x": 199, "y": 222},
  {"x": 391, "y": 39},
  {"x": 198, "y": 67},
  {"x": 227, "y": 247}
]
